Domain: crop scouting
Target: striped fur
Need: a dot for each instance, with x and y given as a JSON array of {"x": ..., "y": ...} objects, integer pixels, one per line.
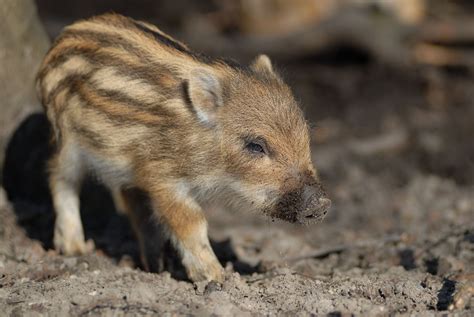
[{"x": 142, "y": 111}]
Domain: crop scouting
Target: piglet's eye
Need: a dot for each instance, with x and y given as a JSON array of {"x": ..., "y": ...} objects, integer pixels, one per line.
[{"x": 255, "y": 148}]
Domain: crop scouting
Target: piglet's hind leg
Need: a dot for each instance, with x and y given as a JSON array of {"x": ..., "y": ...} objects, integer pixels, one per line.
[{"x": 66, "y": 175}]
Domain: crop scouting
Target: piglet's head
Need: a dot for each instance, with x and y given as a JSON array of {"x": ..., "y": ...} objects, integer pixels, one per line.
[{"x": 262, "y": 139}]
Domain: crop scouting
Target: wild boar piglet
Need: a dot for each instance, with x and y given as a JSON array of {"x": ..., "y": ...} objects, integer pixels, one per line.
[{"x": 143, "y": 112}]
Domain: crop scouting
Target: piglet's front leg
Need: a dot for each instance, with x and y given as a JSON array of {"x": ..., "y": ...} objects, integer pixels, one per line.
[{"x": 187, "y": 227}]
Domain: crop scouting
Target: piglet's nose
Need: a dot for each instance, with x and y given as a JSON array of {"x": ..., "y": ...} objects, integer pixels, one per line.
[
  {"x": 315, "y": 204},
  {"x": 312, "y": 194},
  {"x": 324, "y": 203}
]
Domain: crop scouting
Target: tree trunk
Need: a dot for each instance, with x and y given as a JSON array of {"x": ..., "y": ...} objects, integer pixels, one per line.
[{"x": 23, "y": 43}]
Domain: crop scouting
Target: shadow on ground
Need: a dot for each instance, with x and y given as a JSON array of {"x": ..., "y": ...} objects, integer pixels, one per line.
[{"x": 25, "y": 175}]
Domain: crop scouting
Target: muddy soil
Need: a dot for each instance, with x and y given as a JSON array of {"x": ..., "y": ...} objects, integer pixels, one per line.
[{"x": 395, "y": 150}]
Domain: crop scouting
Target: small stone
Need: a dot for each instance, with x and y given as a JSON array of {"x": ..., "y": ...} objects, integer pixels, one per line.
[
  {"x": 212, "y": 286},
  {"x": 70, "y": 262},
  {"x": 126, "y": 261},
  {"x": 200, "y": 287}
]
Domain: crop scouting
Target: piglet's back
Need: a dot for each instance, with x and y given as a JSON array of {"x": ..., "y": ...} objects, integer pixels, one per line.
[{"x": 111, "y": 71}]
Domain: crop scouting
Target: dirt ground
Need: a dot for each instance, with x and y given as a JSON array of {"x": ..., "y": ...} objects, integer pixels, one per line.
[{"x": 394, "y": 148}]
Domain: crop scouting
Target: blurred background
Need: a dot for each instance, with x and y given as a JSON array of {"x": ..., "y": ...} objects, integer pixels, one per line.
[
  {"x": 398, "y": 70},
  {"x": 387, "y": 85}
]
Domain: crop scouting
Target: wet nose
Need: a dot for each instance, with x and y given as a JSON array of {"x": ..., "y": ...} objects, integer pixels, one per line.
[{"x": 315, "y": 204}]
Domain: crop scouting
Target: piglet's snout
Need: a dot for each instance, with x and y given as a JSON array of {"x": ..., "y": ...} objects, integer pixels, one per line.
[{"x": 315, "y": 204}]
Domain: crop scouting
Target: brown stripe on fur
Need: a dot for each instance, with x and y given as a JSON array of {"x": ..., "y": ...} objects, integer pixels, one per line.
[
  {"x": 157, "y": 35},
  {"x": 71, "y": 81},
  {"x": 131, "y": 24},
  {"x": 125, "y": 63},
  {"x": 144, "y": 29},
  {"x": 57, "y": 53},
  {"x": 161, "y": 37},
  {"x": 60, "y": 102},
  {"x": 106, "y": 40},
  {"x": 54, "y": 112},
  {"x": 119, "y": 97},
  {"x": 127, "y": 36},
  {"x": 95, "y": 51},
  {"x": 146, "y": 38},
  {"x": 116, "y": 111},
  {"x": 91, "y": 137}
]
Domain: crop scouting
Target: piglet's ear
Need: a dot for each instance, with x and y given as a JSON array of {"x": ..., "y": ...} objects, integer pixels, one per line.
[
  {"x": 262, "y": 64},
  {"x": 204, "y": 93}
]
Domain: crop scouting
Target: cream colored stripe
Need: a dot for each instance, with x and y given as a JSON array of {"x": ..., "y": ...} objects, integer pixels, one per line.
[{"x": 107, "y": 78}]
